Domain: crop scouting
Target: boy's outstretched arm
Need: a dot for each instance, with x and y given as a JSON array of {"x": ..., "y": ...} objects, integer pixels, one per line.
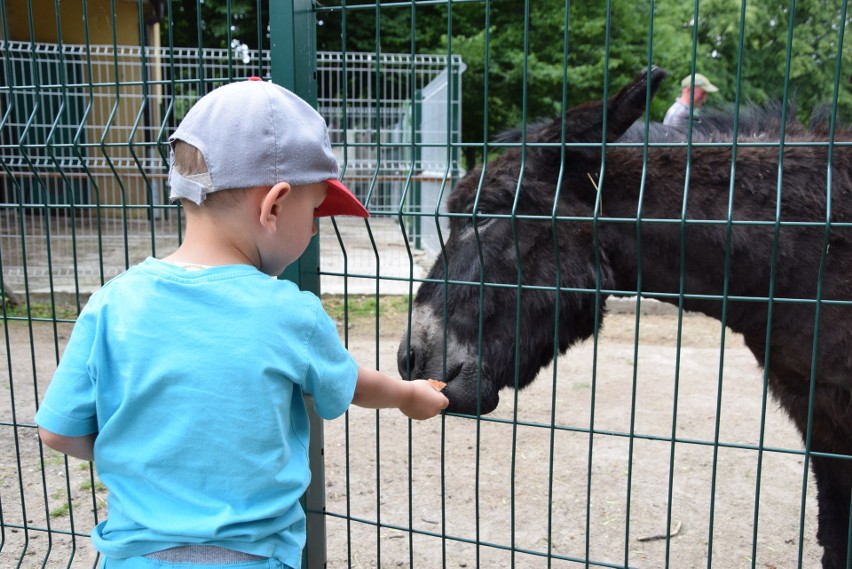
[
  {"x": 416, "y": 399},
  {"x": 78, "y": 447}
]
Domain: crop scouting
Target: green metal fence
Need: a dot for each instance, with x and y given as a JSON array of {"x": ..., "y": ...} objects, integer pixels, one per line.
[{"x": 654, "y": 444}]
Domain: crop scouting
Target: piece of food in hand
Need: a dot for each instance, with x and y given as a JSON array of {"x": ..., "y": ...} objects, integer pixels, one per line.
[{"x": 436, "y": 384}]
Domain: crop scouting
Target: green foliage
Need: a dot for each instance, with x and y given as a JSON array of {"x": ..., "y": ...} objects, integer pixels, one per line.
[
  {"x": 395, "y": 27},
  {"x": 516, "y": 52},
  {"x": 776, "y": 51},
  {"x": 215, "y": 23}
]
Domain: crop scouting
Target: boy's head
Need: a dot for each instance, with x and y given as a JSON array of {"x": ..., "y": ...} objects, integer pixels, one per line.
[{"x": 254, "y": 134}]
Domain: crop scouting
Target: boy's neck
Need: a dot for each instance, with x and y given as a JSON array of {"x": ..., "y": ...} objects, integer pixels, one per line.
[
  {"x": 213, "y": 244},
  {"x": 204, "y": 257}
]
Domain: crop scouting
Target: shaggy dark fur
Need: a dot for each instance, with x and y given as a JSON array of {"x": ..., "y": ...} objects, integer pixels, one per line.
[{"x": 759, "y": 237}]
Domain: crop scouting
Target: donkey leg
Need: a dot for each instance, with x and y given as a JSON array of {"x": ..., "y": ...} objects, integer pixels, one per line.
[
  {"x": 831, "y": 432},
  {"x": 833, "y": 480}
]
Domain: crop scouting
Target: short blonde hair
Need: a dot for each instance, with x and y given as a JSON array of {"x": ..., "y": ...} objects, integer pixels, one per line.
[{"x": 189, "y": 161}]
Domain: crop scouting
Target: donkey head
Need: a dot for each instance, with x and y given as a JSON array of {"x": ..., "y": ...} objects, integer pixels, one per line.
[{"x": 489, "y": 315}]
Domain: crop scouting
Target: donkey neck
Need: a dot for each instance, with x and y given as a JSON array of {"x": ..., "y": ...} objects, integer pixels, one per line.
[{"x": 691, "y": 238}]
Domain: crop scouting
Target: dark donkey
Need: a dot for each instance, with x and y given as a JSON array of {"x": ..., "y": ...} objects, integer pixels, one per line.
[{"x": 794, "y": 262}]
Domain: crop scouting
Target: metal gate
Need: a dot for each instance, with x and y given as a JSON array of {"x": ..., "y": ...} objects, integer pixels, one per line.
[{"x": 655, "y": 443}]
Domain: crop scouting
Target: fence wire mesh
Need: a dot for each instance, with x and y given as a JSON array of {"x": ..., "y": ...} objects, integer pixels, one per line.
[
  {"x": 655, "y": 442},
  {"x": 90, "y": 150}
]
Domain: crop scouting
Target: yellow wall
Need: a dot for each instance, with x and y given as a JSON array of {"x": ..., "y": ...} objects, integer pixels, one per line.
[
  {"x": 100, "y": 21},
  {"x": 114, "y": 109}
]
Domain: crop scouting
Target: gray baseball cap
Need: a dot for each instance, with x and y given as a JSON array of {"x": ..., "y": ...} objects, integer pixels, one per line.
[{"x": 255, "y": 133}]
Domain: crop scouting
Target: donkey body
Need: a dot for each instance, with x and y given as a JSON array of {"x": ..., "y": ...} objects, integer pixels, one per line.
[{"x": 683, "y": 224}]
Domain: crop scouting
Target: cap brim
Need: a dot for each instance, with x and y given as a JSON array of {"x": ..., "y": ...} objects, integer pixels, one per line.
[{"x": 340, "y": 201}]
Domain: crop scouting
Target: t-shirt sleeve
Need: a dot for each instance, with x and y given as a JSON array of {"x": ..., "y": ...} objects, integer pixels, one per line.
[
  {"x": 68, "y": 407},
  {"x": 332, "y": 371}
]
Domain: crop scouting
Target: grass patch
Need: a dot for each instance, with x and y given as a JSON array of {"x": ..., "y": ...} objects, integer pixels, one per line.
[
  {"x": 40, "y": 311},
  {"x": 86, "y": 485},
  {"x": 358, "y": 307},
  {"x": 53, "y": 458},
  {"x": 361, "y": 307},
  {"x": 61, "y": 511}
]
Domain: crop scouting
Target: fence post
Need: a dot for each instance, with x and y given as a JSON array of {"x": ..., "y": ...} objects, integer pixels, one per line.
[
  {"x": 293, "y": 54},
  {"x": 417, "y": 158}
]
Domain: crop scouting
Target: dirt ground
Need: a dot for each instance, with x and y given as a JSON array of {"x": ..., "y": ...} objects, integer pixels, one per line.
[{"x": 525, "y": 483}]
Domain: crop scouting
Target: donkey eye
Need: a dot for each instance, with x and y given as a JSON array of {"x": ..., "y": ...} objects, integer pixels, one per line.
[{"x": 480, "y": 219}]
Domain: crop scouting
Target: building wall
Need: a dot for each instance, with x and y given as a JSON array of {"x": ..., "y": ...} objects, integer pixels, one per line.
[
  {"x": 118, "y": 107},
  {"x": 35, "y": 20}
]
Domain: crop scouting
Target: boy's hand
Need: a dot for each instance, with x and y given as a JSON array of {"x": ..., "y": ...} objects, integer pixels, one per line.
[
  {"x": 417, "y": 399},
  {"x": 424, "y": 401}
]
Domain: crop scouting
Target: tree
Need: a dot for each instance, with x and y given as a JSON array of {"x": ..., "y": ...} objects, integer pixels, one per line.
[
  {"x": 755, "y": 35},
  {"x": 516, "y": 53},
  {"x": 194, "y": 23}
]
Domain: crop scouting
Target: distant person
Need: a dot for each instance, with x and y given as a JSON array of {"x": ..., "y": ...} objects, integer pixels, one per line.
[
  {"x": 678, "y": 113},
  {"x": 185, "y": 377}
]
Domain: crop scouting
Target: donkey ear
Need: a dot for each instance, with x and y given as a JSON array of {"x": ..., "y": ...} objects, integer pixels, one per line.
[
  {"x": 629, "y": 104},
  {"x": 585, "y": 123}
]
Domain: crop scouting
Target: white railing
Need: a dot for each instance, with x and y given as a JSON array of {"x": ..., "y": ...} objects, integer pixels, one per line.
[{"x": 84, "y": 159}]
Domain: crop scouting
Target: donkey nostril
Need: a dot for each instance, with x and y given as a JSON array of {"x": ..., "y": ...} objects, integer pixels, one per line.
[
  {"x": 406, "y": 363},
  {"x": 411, "y": 360}
]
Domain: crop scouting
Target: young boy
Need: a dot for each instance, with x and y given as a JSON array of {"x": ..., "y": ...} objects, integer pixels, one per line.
[{"x": 184, "y": 377}]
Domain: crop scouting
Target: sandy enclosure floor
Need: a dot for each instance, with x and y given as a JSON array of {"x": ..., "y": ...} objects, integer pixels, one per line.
[{"x": 554, "y": 471}]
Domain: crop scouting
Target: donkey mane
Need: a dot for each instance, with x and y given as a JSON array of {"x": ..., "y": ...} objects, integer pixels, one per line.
[{"x": 752, "y": 122}]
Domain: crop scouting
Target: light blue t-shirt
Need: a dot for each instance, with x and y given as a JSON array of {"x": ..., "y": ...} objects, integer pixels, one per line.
[{"x": 194, "y": 382}]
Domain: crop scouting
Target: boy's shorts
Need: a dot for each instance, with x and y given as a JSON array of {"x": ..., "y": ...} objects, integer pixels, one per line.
[
  {"x": 156, "y": 561},
  {"x": 147, "y": 563}
]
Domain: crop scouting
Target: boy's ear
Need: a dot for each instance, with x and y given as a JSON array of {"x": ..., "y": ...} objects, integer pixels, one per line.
[{"x": 271, "y": 202}]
